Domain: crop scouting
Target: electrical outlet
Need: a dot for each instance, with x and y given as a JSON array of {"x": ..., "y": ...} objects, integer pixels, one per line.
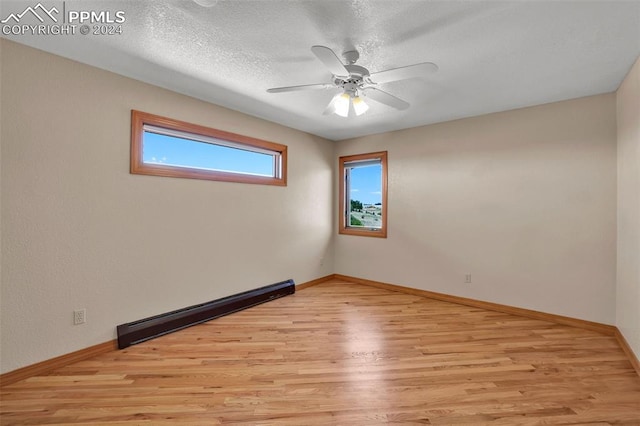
[
  {"x": 467, "y": 279},
  {"x": 79, "y": 316}
]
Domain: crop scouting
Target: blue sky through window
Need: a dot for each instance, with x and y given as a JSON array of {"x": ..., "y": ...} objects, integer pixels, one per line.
[
  {"x": 366, "y": 184},
  {"x": 173, "y": 151}
]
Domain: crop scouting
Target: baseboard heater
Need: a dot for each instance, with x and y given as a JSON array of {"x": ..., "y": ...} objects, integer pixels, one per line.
[{"x": 149, "y": 328}]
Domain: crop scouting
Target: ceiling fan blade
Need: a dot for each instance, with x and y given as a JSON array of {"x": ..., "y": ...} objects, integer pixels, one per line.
[
  {"x": 403, "y": 73},
  {"x": 385, "y": 98},
  {"x": 330, "y": 60},
  {"x": 302, "y": 87}
]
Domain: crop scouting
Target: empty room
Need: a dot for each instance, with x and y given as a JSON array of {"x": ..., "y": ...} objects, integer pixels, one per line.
[{"x": 320, "y": 212}]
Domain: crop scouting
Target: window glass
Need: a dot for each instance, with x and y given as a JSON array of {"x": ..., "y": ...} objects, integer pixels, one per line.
[
  {"x": 187, "y": 153},
  {"x": 365, "y": 195}
]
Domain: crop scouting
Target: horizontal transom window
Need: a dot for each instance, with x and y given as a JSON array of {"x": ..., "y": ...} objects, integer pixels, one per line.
[{"x": 167, "y": 147}]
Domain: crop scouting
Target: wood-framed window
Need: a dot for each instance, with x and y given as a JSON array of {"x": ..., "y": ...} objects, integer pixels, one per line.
[
  {"x": 363, "y": 194},
  {"x": 163, "y": 146}
]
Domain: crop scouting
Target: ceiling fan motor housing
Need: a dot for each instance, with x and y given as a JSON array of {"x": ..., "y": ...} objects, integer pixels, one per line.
[{"x": 355, "y": 81}]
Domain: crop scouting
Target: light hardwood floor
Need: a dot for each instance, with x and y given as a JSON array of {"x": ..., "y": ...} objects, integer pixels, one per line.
[{"x": 346, "y": 354}]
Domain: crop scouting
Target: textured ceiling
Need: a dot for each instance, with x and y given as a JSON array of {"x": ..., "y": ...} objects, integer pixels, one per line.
[{"x": 493, "y": 55}]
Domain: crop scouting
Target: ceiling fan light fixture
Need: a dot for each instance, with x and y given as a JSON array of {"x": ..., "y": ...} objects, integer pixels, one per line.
[
  {"x": 359, "y": 105},
  {"x": 341, "y": 105}
]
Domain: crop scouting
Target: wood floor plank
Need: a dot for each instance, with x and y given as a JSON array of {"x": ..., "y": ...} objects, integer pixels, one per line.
[{"x": 344, "y": 353}]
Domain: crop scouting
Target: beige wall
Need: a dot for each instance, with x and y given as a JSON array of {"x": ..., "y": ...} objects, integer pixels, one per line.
[
  {"x": 523, "y": 200},
  {"x": 79, "y": 231},
  {"x": 628, "y": 280}
]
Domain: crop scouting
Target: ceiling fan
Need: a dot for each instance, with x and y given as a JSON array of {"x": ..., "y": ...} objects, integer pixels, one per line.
[{"x": 356, "y": 81}]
